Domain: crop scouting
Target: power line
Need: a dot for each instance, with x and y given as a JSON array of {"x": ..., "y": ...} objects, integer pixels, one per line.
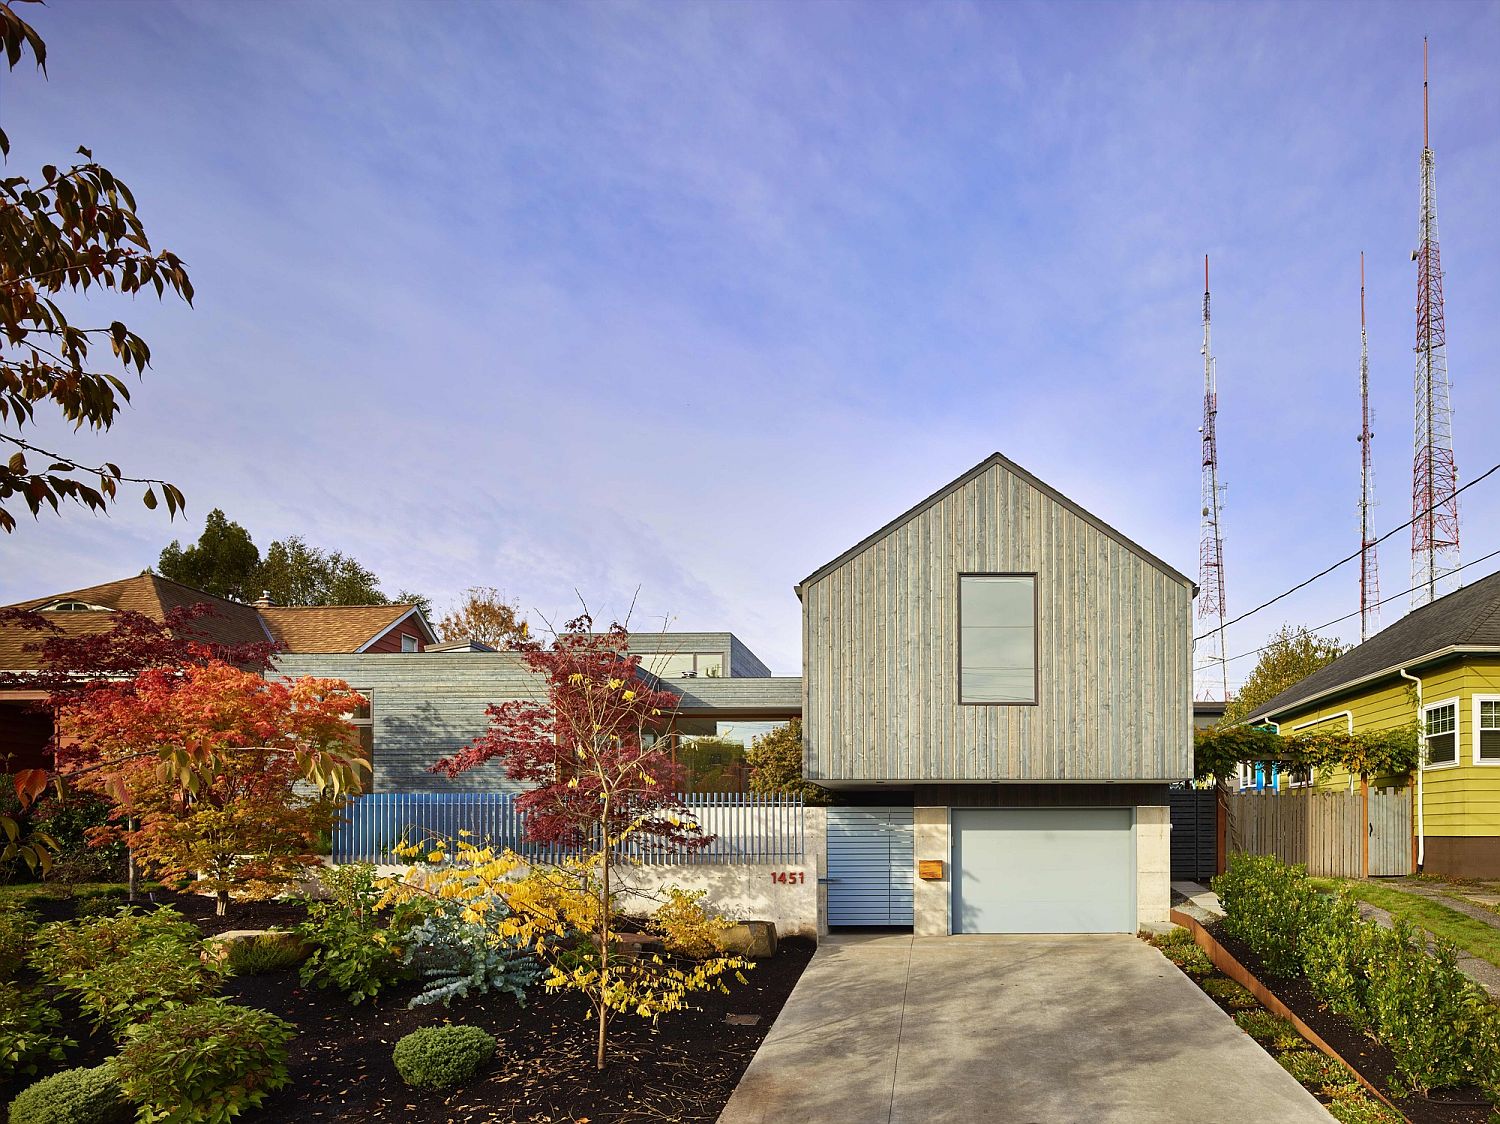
[
  {"x": 1347, "y": 616},
  {"x": 1351, "y": 557}
]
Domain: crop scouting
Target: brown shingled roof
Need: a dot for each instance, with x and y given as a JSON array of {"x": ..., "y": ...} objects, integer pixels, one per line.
[
  {"x": 306, "y": 629},
  {"x": 151, "y": 595},
  {"x": 330, "y": 628}
]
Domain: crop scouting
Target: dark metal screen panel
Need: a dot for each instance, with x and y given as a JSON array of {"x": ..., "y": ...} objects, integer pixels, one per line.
[{"x": 1195, "y": 834}]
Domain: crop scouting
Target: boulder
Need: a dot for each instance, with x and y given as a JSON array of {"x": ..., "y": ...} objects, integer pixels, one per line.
[{"x": 753, "y": 939}]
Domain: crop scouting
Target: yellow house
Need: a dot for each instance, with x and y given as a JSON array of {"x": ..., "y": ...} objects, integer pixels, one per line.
[{"x": 1439, "y": 666}]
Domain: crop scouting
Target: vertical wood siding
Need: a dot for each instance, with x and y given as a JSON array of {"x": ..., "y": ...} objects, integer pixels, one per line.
[{"x": 880, "y": 635}]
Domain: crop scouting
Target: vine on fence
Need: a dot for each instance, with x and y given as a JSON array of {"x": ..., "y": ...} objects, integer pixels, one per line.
[{"x": 1218, "y": 751}]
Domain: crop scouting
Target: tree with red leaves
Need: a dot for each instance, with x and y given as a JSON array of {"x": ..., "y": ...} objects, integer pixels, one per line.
[
  {"x": 589, "y": 757},
  {"x": 71, "y": 665},
  {"x": 598, "y": 774},
  {"x": 201, "y": 763}
]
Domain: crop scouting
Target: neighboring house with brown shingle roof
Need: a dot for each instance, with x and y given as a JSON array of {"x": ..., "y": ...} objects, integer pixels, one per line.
[
  {"x": 317, "y": 629},
  {"x": 24, "y": 732}
]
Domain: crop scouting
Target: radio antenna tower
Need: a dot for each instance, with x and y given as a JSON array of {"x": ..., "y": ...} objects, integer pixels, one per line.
[
  {"x": 1434, "y": 504},
  {"x": 1369, "y": 569},
  {"x": 1211, "y": 543}
]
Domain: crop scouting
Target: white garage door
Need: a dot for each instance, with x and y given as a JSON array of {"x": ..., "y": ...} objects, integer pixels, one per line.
[{"x": 1043, "y": 870}]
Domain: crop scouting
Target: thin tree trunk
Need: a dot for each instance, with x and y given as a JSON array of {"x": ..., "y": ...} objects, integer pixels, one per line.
[
  {"x": 131, "y": 876},
  {"x": 221, "y": 903},
  {"x": 604, "y": 929}
]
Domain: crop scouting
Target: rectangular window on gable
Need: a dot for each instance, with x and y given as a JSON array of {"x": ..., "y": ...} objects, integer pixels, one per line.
[
  {"x": 409, "y": 642},
  {"x": 997, "y": 638},
  {"x": 1440, "y": 732}
]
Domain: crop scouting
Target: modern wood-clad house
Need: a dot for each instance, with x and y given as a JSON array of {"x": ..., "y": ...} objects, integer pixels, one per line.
[
  {"x": 1006, "y": 680},
  {"x": 423, "y": 707}
]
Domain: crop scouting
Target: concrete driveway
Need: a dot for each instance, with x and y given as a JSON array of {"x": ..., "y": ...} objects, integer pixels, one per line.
[{"x": 1019, "y": 1030}]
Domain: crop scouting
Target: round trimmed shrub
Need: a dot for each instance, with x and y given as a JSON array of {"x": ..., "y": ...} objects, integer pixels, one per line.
[
  {"x": 438, "y": 1056},
  {"x": 74, "y": 1096}
]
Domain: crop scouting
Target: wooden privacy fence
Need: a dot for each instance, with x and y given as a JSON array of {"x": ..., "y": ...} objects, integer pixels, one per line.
[
  {"x": 746, "y": 828},
  {"x": 1336, "y": 834}
]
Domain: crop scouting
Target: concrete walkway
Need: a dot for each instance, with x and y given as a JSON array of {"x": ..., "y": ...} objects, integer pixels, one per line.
[{"x": 1015, "y": 1030}]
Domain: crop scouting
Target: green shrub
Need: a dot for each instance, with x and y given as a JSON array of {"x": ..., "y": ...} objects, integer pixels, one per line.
[
  {"x": 1334, "y": 954},
  {"x": 350, "y": 952},
  {"x": 436, "y": 1057},
  {"x": 351, "y": 886},
  {"x": 130, "y": 988},
  {"x": 1441, "y": 1027},
  {"x": 269, "y": 952},
  {"x": 1272, "y": 1030},
  {"x": 74, "y": 1096},
  {"x": 28, "y": 1034},
  {"x": 203, "y": 1064},
  {"x": 1266, "y": 905},
  {"x": 1230, "y": 994},
  {"x": 1352, "y": 1107},
  {"x": 15, "y": 935},
  {"x": 65, "y": 948},
  {"x": 125, "y": 967},
  {"x": 1317, "y": 1070}
]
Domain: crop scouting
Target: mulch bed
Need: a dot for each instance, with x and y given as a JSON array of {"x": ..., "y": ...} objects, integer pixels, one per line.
[
  {"x": 1464, "y": 1105},
  {"x": 683, "y": 1068}
]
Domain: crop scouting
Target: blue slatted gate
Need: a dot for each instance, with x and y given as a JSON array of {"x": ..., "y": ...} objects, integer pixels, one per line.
[{"x": 870, "y": 862}]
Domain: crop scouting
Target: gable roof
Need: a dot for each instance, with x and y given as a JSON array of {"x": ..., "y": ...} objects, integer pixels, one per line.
[
  {"x": 310, "y": 629},
  {"x": 1467, "y": 619},
  {"x": 992, "y": 461},
  {"x": 151, "y": 595},
  {"x": 336, "y": 628}
]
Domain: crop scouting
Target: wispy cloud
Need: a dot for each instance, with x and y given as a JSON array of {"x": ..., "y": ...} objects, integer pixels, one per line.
[{"x": 690, "y": 297}]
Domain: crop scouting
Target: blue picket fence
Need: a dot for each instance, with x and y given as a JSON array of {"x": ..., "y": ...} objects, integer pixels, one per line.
[{"x": 746, "y": 828}]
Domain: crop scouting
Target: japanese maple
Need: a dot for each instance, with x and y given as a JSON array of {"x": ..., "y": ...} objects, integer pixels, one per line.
[
  {"x": 72, "y": 664},
  {"x": 598, "y": 774},
  {"x": 202, "y": 764}
]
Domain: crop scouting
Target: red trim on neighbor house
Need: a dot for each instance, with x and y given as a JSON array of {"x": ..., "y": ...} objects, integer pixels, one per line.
[{"x": 390, "y": 640}]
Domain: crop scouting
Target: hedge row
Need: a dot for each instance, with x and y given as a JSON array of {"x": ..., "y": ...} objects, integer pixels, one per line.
[{"x": 1441, "y": 1026}]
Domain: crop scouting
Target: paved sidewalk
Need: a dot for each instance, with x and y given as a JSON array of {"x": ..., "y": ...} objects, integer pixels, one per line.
[{"x": 1015, "y": 1030}]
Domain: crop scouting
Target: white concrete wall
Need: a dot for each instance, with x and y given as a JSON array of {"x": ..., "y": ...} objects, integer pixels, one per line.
[
  {"x": 741, "y": 892},
  {"x": 930, "y": 899},
  {"x": 1153, "y": 864}
]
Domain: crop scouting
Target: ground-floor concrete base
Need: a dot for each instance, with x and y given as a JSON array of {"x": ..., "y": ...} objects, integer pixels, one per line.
[{"x": 1095, "y": 1030}]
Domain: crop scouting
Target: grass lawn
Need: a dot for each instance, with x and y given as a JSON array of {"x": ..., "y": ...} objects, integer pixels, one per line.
[
  {"x": 24, "y": 892},
  {"x": 1474, "y": 937}
]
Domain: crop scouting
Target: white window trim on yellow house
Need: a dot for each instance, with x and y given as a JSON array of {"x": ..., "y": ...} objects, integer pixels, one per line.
[
  {"x": 1479, "y": 729},
  {"x": 1458, "y": 738}
]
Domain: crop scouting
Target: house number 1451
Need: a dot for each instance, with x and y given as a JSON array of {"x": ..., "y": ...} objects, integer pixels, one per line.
[{"x": 789, "y": 877}]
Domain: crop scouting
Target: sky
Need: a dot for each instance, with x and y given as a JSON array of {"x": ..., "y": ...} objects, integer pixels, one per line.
[{"x": 685, "y": 299}]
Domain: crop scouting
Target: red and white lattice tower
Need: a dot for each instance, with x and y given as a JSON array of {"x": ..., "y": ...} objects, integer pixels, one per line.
[
  {"x": 1434, "y": 504},
  {"x": 1211, "y": 543},
  {"x": 1369, "y": 569}
]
